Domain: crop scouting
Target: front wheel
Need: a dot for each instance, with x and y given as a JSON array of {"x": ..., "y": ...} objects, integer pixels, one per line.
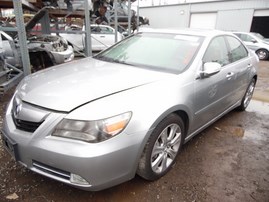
[
  {"x": 162, "y": 148},
  {"x": 248, "y": 95},
  {"x": 262, "y": 54}
]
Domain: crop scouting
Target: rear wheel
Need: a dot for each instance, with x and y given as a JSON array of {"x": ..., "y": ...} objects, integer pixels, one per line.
[
  {"x": 162, "y": 148},
  {"x": 248, "y": 95},
  {"x": 262, "y": 54}
]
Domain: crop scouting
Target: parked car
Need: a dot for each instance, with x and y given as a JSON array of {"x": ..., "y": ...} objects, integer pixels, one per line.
[
  {"x": 9, "y": 75},
  {"x": 128, "y": 110},
  {"x": 102, "y": 37},
  {"x": 44, "y": 50},
  {"x": 256, "y": 42}
]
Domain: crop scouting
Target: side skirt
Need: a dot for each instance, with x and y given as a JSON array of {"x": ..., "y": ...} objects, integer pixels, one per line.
[{"x": 190, "y": 136}]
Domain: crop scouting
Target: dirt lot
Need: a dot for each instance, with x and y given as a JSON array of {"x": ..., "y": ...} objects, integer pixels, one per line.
[{"x": 229, "y": 161}]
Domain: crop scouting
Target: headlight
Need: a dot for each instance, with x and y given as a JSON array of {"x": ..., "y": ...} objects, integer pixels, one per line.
[{"x": 92, "y": 131}]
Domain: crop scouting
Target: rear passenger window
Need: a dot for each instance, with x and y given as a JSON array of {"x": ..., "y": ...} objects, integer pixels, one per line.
[{"x": 238, "y": 51}]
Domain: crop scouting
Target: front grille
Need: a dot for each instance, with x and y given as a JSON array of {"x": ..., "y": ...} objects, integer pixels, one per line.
[
  {"x": 51, "y": 170},
  {"x": 26, "y": 125}
]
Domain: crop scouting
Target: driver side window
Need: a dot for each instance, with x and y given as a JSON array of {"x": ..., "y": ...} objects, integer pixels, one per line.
[{"x": 217, "y": 52}]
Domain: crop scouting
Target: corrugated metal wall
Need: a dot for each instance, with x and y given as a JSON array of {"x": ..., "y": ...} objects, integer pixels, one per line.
[
  {"x": 233, "y": 15},
  {"x": 235, "y": 20},
  {"x": 167, "y": 16}
]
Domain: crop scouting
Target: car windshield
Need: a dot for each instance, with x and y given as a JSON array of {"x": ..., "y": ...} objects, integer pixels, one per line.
[{"x": 162, "y": 52}]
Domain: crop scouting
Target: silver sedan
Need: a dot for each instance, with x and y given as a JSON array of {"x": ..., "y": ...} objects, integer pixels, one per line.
[{"x": 97, "y": 122}]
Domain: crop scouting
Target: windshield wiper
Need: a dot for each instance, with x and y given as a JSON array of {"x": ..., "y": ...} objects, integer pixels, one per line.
[
  {"x": 104, "y": 58},
  {"x": 107, "y": 59}
]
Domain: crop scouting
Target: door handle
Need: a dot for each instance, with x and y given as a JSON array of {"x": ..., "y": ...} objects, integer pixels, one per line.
[{"x": 229, "y": 75}]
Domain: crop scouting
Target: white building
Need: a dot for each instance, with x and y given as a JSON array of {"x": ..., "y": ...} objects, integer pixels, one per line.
[{"x": 229, "y": 15}]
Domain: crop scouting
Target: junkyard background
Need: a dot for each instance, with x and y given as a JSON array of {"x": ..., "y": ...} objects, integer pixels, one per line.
[{"x": 229, "y": 161}]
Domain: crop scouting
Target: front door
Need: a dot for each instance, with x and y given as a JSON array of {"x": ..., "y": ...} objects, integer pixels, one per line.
[{"x": 212, "y": 91}]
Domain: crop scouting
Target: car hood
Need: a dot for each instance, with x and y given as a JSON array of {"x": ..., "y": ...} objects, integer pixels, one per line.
[
  {"x": 65, "y": 87},
  {"x": 31, "y": 23}
]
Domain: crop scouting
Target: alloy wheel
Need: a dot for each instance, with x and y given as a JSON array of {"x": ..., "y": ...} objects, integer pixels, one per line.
[{"x": 166, "y": 148}]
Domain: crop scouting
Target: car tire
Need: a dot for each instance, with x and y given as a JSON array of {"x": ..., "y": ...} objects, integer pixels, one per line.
[
  {"x": 248, "y": 95},
  {"x": 262, "y": 54},
  {"x": 162, "y": 148}
]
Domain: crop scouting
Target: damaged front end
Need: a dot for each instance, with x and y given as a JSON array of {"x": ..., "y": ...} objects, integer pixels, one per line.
[
  {"x": 48, "y": 50},
  {"x": 47, "y": 43}
]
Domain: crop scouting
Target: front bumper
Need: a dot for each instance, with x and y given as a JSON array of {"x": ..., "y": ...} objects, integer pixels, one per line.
[
  {"x": 100, "y": 165},
  {"x": 64, "y": 56}
]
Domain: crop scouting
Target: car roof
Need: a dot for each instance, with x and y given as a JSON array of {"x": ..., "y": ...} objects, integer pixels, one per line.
[
  {"x": 251, "y": 33},
  {"x": 186, "y": 31},
  {"x": 241, "y": 32}
]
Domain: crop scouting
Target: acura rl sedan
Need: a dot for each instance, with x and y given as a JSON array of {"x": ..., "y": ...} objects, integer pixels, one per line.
[{"x": 97, "y": 122}]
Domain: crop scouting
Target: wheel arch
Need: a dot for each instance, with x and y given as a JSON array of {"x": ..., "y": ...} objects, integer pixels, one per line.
[
  {"x": 261, "y": 48},
  {"x": 265, "y": 50},
  {"x": 185, "y": 118},
  {"x": 180, "y": 111},
  {"x": 174, "y": 110},
  {"x": 255, "y": 77}
]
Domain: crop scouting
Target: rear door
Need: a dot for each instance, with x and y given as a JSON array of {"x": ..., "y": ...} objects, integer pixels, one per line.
[{"x": 240, "y": 65}]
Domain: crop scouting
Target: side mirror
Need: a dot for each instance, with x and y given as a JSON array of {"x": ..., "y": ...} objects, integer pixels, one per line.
[
  {"x": 209, "y": 69},
  {"x": 253, "y": 41}
]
